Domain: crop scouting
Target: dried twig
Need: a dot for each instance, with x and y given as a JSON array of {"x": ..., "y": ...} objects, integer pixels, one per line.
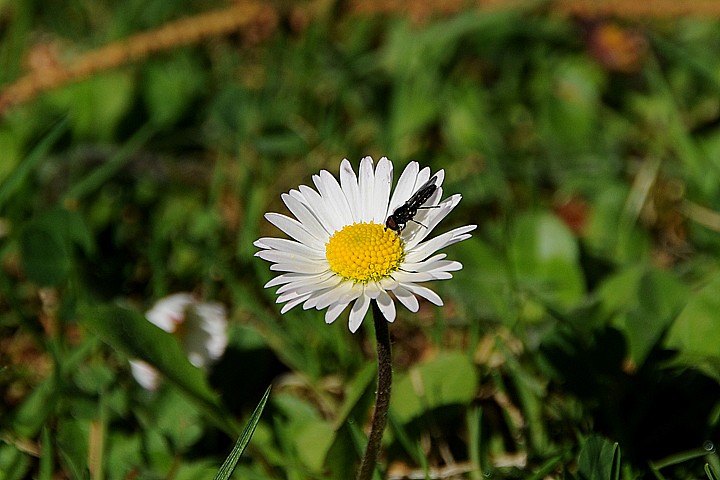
[{"x": 138, "y": 47}]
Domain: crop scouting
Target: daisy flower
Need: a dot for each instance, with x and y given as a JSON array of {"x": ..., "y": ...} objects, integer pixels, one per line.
[
  {"x": 200, "y": 327},
  {"x": 342, "y": 252}
]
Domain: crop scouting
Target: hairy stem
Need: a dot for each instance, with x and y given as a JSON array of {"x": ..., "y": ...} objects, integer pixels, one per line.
[{"x": 382, "y": 399}]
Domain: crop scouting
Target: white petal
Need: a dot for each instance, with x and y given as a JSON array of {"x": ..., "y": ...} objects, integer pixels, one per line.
[
  {"x": 405, "y": 187},
  {"x": 419, "y": 277},
  {"x": 293, "y": 303},
  {"x": 144, "y": 374},
  {"x": 323, "y": 210},
  {"x": 372, "y": 290},
  {"x": 366, "y": 183},
  {"x": 424, "y": 292},
  {"x": 205, "y": 333},
  {"x": 214, "y": 324},
  {"x": 423, "y": 265},
  {"x": 297, "y": 267},
  {"x": 333, "y": 195},
  {"x": 424, "y": 250},
  {"x": 311, "y": 284},
  {"x": 296, "y": 230},
  {"x": 290, "y": 246},
  {"x": 295, "y": 277},
  {"x": 278, "y": 256},
  {"x": 388, "y": 283},
  {"x": 381, "y": 190},
  {"x": 358, "y": 311},
  {"x": 349, "y": 184},
  {"x": 306, "y": 217},
  {"x": 412, "y": 277},
  {"x": 344, "y": 292},
  {"x": 406, "y": 297},
  {"x": 169, "y": 312},
  {"x": 334, "y": 311},
  {"x": 386, "y": 306},
  {"x": 427, "y": 219}
]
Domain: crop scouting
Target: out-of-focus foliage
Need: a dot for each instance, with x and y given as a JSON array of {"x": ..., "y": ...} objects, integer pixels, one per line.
[{"x": 584, "y": 325}]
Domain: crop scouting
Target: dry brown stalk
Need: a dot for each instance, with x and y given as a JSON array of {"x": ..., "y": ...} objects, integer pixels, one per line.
[
  {"x": 249, "y": 13},
  {"x": 171, "y": 35},
  {"x": 646, "y": 9}
]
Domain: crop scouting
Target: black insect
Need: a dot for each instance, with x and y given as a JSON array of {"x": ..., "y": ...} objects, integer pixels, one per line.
[{"x": 405, "y": 212}]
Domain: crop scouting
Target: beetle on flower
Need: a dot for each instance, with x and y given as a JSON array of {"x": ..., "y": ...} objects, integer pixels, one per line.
[{"x": 342, "y": 252}]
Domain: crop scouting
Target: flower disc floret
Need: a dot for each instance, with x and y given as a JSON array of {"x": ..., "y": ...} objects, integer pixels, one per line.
[{"x": 364, "y": 252}]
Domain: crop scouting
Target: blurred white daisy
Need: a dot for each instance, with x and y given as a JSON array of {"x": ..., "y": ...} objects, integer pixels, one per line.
[
  {"x": 342, "y": 252},
  {"x": 201, "y": 329}
]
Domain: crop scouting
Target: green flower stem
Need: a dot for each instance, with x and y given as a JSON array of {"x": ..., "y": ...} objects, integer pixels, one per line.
[{"x": 382, "y": 399}]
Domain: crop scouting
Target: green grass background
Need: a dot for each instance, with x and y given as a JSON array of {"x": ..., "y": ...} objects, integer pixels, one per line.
[{"x": 580, "y": 341}]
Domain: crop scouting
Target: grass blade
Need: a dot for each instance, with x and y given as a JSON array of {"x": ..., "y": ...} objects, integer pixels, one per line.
[
  {"x": 228, "y": 467},
  {"x": 33, "y": 159}
]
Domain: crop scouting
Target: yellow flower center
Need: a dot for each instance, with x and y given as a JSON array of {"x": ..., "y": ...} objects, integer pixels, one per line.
[{"x": 362, "y": 252}]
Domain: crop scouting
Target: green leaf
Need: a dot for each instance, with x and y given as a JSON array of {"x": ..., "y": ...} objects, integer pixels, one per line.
[
  {"x": 177, "y": 418},
  {"x": 599, "y": 459},
  {"x": 610, "y": 234},
  {"x": 14, "y": 464},
  {"x": 96, "y": 104},
  {"x": 711, "y": 473},
  {"x": 484, "y": 283},
  {"x": 642, "y": 302},
  {"x": 46, "y": 245},
  {"x": 45, "y": 257},
  {"x": 170, "y": 87},
  {"x": 131, "y": 333},
  {"x": 545, "y": 257},
  {"x": 448, "y": 379},
  {"x": 312, "y": 442},
  {"x": 354, "y": 393},
  {"x": 72, "y": 443},
  {"x": 231, "y": 461},
  {"x": 28, "y": 419},
  {"x": 16, "y": 178},
  {"x": 696, "y": 331}
]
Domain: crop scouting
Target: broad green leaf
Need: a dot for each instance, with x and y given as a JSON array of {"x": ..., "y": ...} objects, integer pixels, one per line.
[
  {"x": 170, "y": 87},
  {"x": 129, "y": 332},
  {"x": 484, "y": 283},
  {"x": 599, "y": 459},
  {"x": 568, "y": 95},
  {"x": 448, "y": 379},
  {"x": 642, "y": 302},
  {"x": 195, "y": 470},
  {"x": 546, "y": 260},
  {"x": 696, "y": 331},
  {"x": 28, "y": 419},
  {"x": 228, "y": 466},
  {"x": 14, "y": 464},
  {"x": 177, "y": 419},
  {"x": 72, "y": 443},
  {"x": 313, "y": 441},
  {"x": 96, "y": 104},
  {"x": 125, "y": 452}
]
